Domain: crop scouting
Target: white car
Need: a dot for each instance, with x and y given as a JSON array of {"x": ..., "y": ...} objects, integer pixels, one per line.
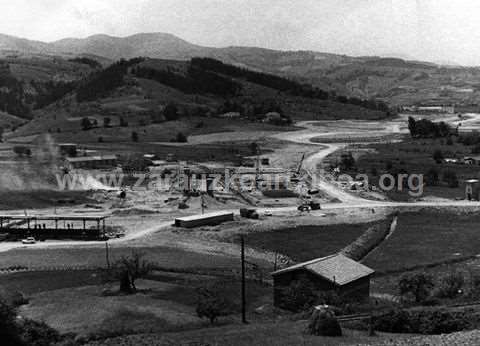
[
  {"x": 267, "y": 213},
  {"x": 29, "y": 240}
]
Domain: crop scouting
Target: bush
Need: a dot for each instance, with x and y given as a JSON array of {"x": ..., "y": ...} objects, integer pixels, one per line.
[
  {"x": 324, "y": 323},
  {"x": 432, "y": 177},
  {"x": 181, "y": 138},
  {"x": 134, "y": 136},
  {"x": 450, "y": 177},
  {"x": 437, "y": 156},
  {"x": 431, "y": 321},
  {"x": 170, "y": 112},
  {"x": 38, "y": 333},
  {"x": 299, "y": 296},
  {"x": 451, "y": 285},
  {"x": 9, "y": 330},
  {"x": 418, "y": 285}
]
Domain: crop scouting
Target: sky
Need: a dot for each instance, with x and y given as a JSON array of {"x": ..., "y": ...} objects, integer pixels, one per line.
[{"x": 443, "y": 31}]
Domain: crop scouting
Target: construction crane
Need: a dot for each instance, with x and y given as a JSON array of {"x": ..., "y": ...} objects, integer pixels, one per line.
[
  {"x": 296, "y": 174},
  {"x": 300, "y": 164}
]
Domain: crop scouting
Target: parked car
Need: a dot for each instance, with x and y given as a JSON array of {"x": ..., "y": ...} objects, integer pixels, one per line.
[
  {"x": 267, "y": 213},
  {"x": 29, "y": 240},
  {"x": 304, "y": 207}
]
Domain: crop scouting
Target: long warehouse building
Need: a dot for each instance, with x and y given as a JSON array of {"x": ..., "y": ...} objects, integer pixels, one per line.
[{"x": 204, "y": 219}]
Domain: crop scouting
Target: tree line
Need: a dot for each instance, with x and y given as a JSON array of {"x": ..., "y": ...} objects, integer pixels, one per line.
[
  {"x": 424, "y": 128},
  {"x": 284, "y": 84},
  {"x": 196, "y": 81}
]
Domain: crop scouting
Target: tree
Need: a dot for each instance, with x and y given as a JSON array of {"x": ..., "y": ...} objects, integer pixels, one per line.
[
  {"x": 123, "y": 122},
  {"x": 134, "y": 136},
  {"x": 299, "y": 296},
  {"x": 437, "y": 156},
  {"x": 86, "y": 124},
  {"x": 432, "y": 177},
  {"x": 451, "y": 285},
  {"x": 450, "y": 177},
  {"x": 181, "y": 138},
  {"x": 170, "y": 112},
  {"x": 9, "y": 329},
  {"x": 106, "y": 122},
  {"x": 412, "y": 126},
  {"x": 213, "y": 303},
  {"x": 254, "y": 148},
  {"x": 130, "y": 268},
  {"x": 348, "y": 162},
  {"x": 418, "y": 285}
]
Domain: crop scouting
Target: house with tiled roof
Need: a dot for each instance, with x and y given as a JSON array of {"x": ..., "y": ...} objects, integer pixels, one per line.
[{"x": 348, "y": 278}]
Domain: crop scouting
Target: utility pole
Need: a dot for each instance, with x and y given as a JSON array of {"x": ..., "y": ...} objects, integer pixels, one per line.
[
  {"x": 107, "y": 256},
  {"x": 244, "y": 318}
]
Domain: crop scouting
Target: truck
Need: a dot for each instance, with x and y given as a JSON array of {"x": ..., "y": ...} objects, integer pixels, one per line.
[{"x": 249, "y": 213}]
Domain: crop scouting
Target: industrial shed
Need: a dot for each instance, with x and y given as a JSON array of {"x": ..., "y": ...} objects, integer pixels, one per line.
[
  {"x": 337, "y": 272},
  {"x": 204, "y": 219}
]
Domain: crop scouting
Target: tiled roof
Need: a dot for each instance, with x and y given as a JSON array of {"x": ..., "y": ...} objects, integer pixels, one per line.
[{"x": 335, "y": 268}]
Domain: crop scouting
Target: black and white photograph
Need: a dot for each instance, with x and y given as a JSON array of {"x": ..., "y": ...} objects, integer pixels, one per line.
[{"x": 239, "y": 172}]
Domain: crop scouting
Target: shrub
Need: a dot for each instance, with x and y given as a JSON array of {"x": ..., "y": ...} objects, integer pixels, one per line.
[
  {"x": 428, "y": 321},
  {"x": 300, "y": 295},
  {"x": 181, "y": 138},
  {"x": 9, "y": 330},
  {"x": 451, "y": 285},
  {"x": 437, "y": 156},
  {"x": 38, "y": 333},
  {"x": 418, "y": 285},
  {"x": 170, "y": 112},
  {"x": 106, "y": 122},
  {"x": 86, "y": 124},
  {"x": 450, "y": 177},
  {"x": 134, "y": 136},
  {"x": 432, "y": 177}
]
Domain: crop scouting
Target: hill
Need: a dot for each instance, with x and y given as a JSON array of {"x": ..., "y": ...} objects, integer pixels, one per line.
[
  {"x": 397, "y": 81},
  {"x": 140, "y": 94}
]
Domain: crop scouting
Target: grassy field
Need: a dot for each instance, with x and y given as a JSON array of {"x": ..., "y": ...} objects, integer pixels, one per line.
[
  {"x": 72, "y": 301},
  {"x": 425, "y": 238},
  {"x": 415, "y": 156},
  {"x": 10, "y": 200},
  {"x": 279, "y": 333},
  {"x": 303, "y": 243},
  {"x": 95, "y": 257}
]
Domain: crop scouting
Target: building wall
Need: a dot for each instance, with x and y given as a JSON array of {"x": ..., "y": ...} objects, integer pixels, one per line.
[{"x": 356, "y": 290}]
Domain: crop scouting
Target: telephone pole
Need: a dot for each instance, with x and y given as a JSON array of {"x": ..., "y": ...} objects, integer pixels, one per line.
[{"x": 244, "y": 318}]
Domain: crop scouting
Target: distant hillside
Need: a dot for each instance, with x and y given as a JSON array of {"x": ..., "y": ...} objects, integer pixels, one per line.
[
  {"x": 397, "y": 81},
  {"x": 140, "y": 93}
]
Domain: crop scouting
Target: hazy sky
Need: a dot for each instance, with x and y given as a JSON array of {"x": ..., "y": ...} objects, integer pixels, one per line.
[{"x": 434, "y": 30}]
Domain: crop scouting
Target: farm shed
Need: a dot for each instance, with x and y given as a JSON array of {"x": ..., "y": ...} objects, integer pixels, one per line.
[
  {"x": 336, "y": 272},
  {"x": 92, "y": 162},
  {"x": 204, "y": 219}
]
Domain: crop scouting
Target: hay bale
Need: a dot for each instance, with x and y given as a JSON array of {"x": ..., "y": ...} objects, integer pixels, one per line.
[{"x": 323, "y": 322}]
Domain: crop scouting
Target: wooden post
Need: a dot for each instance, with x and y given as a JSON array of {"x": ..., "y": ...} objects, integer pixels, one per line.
[
  {"x": 244, "y": 318},
  {"x": 107, "y": 255},
  {"x": 275, "y": 263}
]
